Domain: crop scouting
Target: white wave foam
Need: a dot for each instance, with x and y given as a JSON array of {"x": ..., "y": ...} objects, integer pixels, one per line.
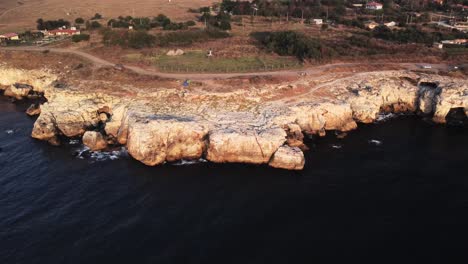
[
  {"x": 188, "y": 162},
  {"x": 375, "y": 142},
  {"x": 85, "y": 153},
  {"x": 385, "y": 117},
  {"x": 74, "y": 142},
  {"x": 9, "y": 131}
]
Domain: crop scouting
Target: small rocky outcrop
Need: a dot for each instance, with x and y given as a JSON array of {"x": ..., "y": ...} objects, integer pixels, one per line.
[
  {"x": 452, "y": 96},
  {"x": 316, "y": 118},
  {"x": 40, "y": 80},
  {"x": 289, "y": 158},
  {"x": 154, "y": 140},
  {"x": 95, "y": 141},
  {"x": 176, "y": 52},
  {"x": 33, "y": 110},
  {"x": 295, "y": 137},
  {"x": 244, "y": 146},
  {"x": 18, "y": 91}
]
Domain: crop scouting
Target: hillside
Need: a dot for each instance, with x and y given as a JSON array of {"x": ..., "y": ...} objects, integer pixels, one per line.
[{"x": 19, "y": 15}]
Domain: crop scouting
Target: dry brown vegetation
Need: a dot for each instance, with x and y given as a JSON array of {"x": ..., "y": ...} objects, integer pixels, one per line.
[{"x": 20, "y": 15}]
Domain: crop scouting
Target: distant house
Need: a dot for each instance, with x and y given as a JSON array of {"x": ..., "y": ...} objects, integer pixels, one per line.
[
  {"x": 63, "y": 32},
  {"x": 456, "y": 41},
  {"x": 438, "y": 45},
  {"x": 9, "y": 36},
  {"x": 374, "y": 6},
  {"x": 390, "y": 24},
  {"x": 357, "y": 5},
  {"x": 371, "y": 24},
  {"x": 317, "y": 21}
]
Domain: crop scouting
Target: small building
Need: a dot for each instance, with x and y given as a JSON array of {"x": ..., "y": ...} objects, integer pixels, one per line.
[
  {"x": 63, "y": 32},
  {"x": 390, "y": 24},
  {"x": 438, "y": 45},
  {"x": 456, "y": 41},
  {"x": 317, "y": 21},
  {"x": 9, "y": 36},
  {"x": 371, "y": 24},
  {"x": 358, "y": 5},
  {"x": 374, "y": 6}
]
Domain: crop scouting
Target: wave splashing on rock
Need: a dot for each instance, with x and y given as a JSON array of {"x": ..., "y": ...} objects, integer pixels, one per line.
[{"x": 95, "y": 156}]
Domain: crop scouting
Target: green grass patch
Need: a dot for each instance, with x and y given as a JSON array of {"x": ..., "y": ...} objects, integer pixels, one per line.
[{"x": 197, "y": 61}]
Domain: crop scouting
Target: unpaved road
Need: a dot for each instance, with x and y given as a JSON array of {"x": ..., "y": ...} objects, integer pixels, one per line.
[{"x": 209, "y": 76}]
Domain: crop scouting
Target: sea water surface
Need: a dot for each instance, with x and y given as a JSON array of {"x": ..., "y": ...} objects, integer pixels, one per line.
[{"x": 391, "y": 193}]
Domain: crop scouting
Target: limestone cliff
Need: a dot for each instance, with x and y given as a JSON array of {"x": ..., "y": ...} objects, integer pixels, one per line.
[{"x": 168, "y": 126}]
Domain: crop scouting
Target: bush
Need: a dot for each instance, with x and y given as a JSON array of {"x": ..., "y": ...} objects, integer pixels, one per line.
[
  {"x": 290, "y": 43},
  {"x": 79, "y": 20},
  {"x": 51, "y": 24},
  {"x": 96, "y": 16},
  {"x": 81, "y": 37},
  {"x": 225, "y": 25},
  {"x": 190, "y": 23},
  {"x": 128, "y": 39},
  {"x": 175, "y": 26},
  {"x": 408, "y": 35},
  {"x": 189, "y": 37},
  {"x": 93, "y": 25},
  {"x": 140, "y": 39}
]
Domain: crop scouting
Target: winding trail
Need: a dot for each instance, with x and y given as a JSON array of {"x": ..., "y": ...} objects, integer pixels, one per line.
[{"x": 210, "y": 76}]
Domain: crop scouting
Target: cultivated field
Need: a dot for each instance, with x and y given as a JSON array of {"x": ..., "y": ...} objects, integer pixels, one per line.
[{"x": 18, "y": 15}]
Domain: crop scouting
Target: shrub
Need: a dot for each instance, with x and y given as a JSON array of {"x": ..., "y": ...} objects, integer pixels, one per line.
[
  {"x": 51, "y": 24},
  {"x": 79, "y": 20},
  {"x": 225, "y": 25},
  {"x": 96, "y": 16},
  {"x": 128, "y": 39},
  {"x": 81, "y": 37},
  {"x": 190, "y": 23},
  {"x": 93, "y": 25},
  {"x": 189, "y": 37},
  {"x": 290, "y": 43},
  {"x": 175, "y": 26}
]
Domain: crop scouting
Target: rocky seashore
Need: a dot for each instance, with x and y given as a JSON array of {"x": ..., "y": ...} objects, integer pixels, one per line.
[{"x": 173, "y": 125}]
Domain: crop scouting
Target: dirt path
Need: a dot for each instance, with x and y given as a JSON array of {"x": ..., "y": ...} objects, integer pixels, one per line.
[{"x": 209, "y": 76}]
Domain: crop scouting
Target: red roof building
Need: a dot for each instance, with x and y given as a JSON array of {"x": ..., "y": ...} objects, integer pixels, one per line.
[{"x": 9, "y": 36}]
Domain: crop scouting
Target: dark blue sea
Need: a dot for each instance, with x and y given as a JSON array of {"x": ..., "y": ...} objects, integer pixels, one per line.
[{"x": 394, "y": 192}]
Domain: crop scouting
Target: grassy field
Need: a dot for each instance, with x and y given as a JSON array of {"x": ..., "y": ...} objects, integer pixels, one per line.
[
  {"x": 197, "y": 61},
  {"x": 20, "y": 15}
]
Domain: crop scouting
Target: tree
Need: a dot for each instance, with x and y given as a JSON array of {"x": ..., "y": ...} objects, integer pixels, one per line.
[
  {"x": 93, "y": 25},
  {"x": 80, "y": 37},
  {"x": 79, "y": 20},
  {"x": 225, "y": 25},
  {"x": 96, "y": 16}
]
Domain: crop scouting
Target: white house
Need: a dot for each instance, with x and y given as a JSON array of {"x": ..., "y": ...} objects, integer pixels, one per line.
[
  {"x": 9, "y": 36},
  {"x": 374, "y": 6},
  {"x": 317, "y": 21}
]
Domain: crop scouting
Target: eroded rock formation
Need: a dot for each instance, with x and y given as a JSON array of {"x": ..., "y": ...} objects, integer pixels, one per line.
[{"x": 168, "y": 126}]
